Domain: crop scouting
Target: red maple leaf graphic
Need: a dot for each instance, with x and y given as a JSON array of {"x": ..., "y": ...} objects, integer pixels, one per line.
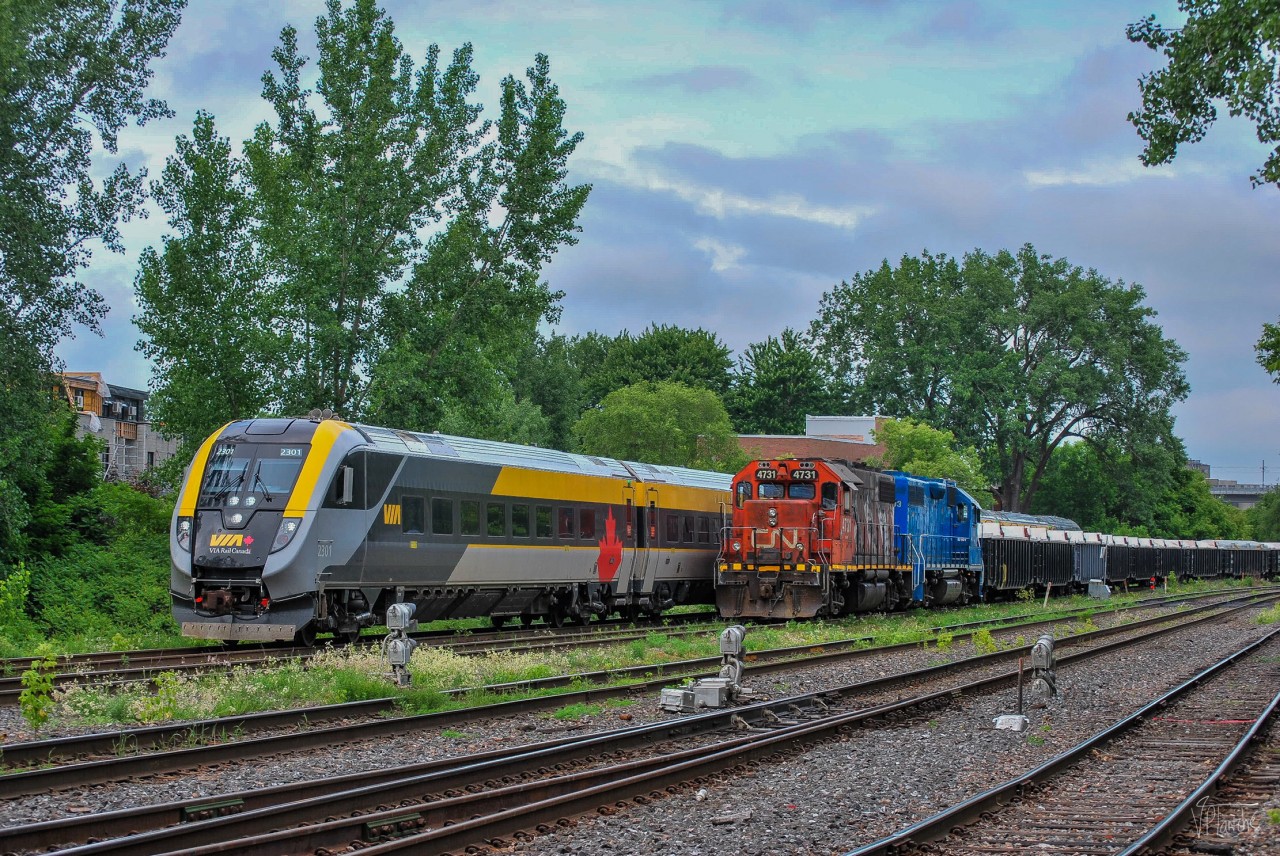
[
  {"x": 248, "y": 540},
  {"x": 610, "y": 550}
]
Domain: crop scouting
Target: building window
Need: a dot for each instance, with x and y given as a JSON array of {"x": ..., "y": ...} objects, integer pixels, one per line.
[
  {"x": 79, "y": 399},
  {"x": 151, "y": 459}
]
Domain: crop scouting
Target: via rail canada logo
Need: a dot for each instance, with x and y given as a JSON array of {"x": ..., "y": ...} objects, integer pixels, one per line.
[{"x": 230, "y": 543}]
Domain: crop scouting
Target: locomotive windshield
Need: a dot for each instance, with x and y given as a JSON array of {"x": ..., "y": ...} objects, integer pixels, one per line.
[{"x": 251, "y": 473}]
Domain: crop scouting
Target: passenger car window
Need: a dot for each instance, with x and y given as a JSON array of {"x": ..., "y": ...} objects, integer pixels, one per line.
[
  {"x": 470, "y": 518},
  {"x": 520, "y": 521},
  {"x": 587, "y": 522},
  {"x": 497, "y": 515},
  {"x": 414, "y": 517},
  {"x": 544, "y": 521},
  {"x": 441, "y": 516},
  {"x": 566, "y": 523}
]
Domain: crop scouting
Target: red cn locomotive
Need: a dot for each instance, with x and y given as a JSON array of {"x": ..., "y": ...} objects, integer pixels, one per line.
[{"x": 809, "y": 538}]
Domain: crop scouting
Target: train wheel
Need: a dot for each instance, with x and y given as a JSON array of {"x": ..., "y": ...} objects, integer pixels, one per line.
[
  {"x": 556, "y": 618},
  {"x": 347, "y": 637},
  {"x": 497, "y": 621},
  {"x": 306, "y": 636}
]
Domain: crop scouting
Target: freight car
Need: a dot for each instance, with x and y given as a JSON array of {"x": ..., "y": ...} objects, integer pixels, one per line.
[{"x": 289, "y": 527}]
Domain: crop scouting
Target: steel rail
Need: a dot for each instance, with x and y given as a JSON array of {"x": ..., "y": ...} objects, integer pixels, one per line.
[
  {"x": 217, "y": 730},
  {"x": 970, "y": 809},
  {"x": 653, "y": 678},
  {"x": 391, "y": 786}
]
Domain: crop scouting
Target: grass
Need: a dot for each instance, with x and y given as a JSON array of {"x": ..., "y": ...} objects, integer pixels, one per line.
[
  {"x": 349, "y": 674},
  {"x": 1269, "y": 616}
]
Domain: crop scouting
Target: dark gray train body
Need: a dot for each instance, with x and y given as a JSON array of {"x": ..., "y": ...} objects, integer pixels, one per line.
[{"x": 285, "y": 527}]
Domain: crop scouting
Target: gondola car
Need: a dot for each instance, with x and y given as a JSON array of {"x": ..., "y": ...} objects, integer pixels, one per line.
[{"x": 289, "y": 527}]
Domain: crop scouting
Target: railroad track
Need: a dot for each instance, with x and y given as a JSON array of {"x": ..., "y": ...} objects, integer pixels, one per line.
[
  {"x": 1129, "y": 788},
  {"x": 450, "y": 804},
  {"x": 202, "y": 737},
  {"x": 118, "y": 668}
]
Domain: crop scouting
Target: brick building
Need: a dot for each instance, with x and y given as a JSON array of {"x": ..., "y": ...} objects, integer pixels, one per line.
[
  {"x": 117, "y": 416},
  {"x": 846, "y": 438}
]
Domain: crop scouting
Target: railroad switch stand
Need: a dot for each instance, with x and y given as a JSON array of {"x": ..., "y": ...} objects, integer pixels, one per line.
[
  {"x": 714, "y": 692},
  {"x": 398, "y": 645},
  {"x": 1044, "y": 668}
]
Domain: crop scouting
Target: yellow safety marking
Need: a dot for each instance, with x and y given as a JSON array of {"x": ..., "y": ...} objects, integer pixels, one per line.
[
  {"x": 327, "y": 433},
  {"x": 573, "y": 487},
  {"x": 391, "y": 514},
  {"x": 195, "y": 475}
]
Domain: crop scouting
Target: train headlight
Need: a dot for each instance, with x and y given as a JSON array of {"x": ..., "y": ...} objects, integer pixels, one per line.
[
  {"x": 737, "y": 546},
  {"x": 184, "y": 533},
  {"x": 233, "y": 500},
  {"x": 288, "y": 528},
  {"x": 773, "y": 517}
]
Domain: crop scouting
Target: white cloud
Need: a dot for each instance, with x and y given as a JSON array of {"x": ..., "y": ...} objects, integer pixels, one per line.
[
  {"x": 723, "y": 256},
  {"x": 1098, "y": 173}
]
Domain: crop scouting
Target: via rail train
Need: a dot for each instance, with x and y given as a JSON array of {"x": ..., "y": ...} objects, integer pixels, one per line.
[
  {"x": 289, "y": 527},
  {"x": 285, "y": 528}
]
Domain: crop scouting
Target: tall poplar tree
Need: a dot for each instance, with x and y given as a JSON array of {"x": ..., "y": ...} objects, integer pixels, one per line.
[
  {"x": 345, "y": 191},
  {"x": 206, "y": 308}
]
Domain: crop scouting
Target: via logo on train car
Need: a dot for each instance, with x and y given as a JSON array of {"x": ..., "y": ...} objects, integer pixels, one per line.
[
  {"x": 391, "y": 514},
  {"x": 230, "y": 543}
]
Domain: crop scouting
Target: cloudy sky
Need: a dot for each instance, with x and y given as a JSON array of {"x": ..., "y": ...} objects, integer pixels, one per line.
[{"x": 747, "y": 156}]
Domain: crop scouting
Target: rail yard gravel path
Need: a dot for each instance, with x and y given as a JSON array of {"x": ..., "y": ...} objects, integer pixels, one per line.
[{"x": 825, "y": 800}]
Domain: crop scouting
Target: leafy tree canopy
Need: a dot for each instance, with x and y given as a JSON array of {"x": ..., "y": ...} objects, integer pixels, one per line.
[
  {"x": 1269, "y": 350},
  {"x": 661, "y": 353},
  {"x": 1264, "y": 518},
  {"x": 72, "y": 74},
  {"x": 1147, "y": 491},
  {"x": 1013, "y": 353},
  {"x": 1226, "y": 52},
  {"x": 777, "y": 383},
  {"x": 921, "y": 450},
  {"x": 662, "y": 423},
  {"x": 206, "y": 308}
]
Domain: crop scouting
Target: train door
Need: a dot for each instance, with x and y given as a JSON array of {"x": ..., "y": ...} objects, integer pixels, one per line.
[{"x": 647, "y": 557}]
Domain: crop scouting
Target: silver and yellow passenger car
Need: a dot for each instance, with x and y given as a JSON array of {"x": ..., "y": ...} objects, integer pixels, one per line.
[{"x": 289, "y": 527}]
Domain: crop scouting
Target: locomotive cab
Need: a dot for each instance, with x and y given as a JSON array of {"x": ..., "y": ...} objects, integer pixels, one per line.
[{"x": 808, "y": 539}]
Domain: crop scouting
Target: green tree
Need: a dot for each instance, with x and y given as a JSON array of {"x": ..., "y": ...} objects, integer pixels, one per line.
[
  {"x": 71, "y": 73},
  {"x": 548, "y": 377},
  {"x": 661, "y": 353},
  {"x": 1012, "y": 353},
  {"x": 475, "y": 300},
  {"x": 777, "y": 383},
  {"x": 1269, "y": 350},
  {"x": 1225, "y": 52},
  {"x": 206, "y": 307},
  {"x": 1146, "y": 491},
  {"x": 344, "y": 193},
  {"x": 662, "y": 423},
  {"x": 1264, "y": 517},
  {"x": 922, "y": 450}
]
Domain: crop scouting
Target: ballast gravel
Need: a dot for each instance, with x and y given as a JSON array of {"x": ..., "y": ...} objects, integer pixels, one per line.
[{"x": 829, "y": 799}]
